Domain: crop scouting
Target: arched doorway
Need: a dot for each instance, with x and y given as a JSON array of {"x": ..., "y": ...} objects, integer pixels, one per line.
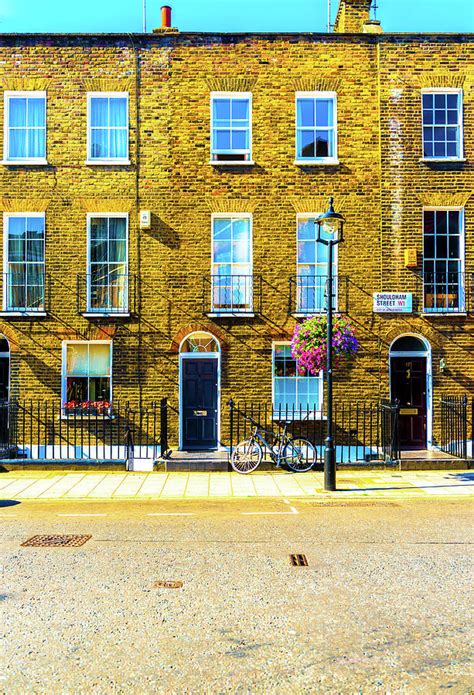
[
  {"x": 410, "y": 384},
  {"x": 4, "y": 369},
  {"x": 199, "y": 389}
]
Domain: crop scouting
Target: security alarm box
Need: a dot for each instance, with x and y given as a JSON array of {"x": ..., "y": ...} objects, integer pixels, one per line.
[
  {"x": 145, "y": 219},
  {"x": 411, "y": 258}
]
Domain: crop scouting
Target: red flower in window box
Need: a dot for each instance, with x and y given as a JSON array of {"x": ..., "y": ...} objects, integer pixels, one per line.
[{"x": 87, "y": 408}]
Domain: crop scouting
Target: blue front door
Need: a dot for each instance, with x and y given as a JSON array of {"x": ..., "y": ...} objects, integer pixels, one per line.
[{"x": 199, "y": 403}]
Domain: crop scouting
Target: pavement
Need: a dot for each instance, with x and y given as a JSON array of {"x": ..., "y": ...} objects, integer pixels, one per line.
[
  {"x": 384, "y": 605},
  {"x": 48, "y": 485}
]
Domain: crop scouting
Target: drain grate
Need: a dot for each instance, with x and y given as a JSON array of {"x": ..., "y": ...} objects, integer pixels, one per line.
[
  {"x": 56, "y": 541},
  {"x": 350, "y": 503},
  {"x": 170, "y": 584},
  {"x": 298, "y": 560}
]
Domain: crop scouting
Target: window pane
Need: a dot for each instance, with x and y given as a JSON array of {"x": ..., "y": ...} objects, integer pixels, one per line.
[
  {"x": 306, "y": 229},
  {"x": 441, "y": 222},
  {"x": 305, "y": 112},
  {"x": 117, "y": 228},
  {"x": 452, "y": 116},
  {"x": 307, "y": 252},
  {"x": 98, "y": 227},
  {"x": 240, "y": 109},
  {"x": 240, "y": 139},
  {"x": 35, "y": 227},
  {"x": 118, "y": 112},
  {"x": 77, "y": 359},
  {"x": 118, "y": 143},
  {"x": 98, "y": 251},
  {"x": 222, "y": 140},
  {"x": 452, "y": 101},
  {"x": 440, "y": 117},
  {"x": 241, "y": 229},
  {"x": 454, "y": 222},
  {"x": 428, "y": 246},
  {"x": 427, "y": 101},
  {"x": 324, "y": 115},
  {"x": 99, "y": 143},
  {"x": 99, "y": 111},
  {"x": 118, "y": 251},
  {"x": 222, "y": 252},
  {"x": 240, "y": 252},
  {"x": 36, "y": 112},
  {"x": 76, "y": 389},
  {"x": 308, "y": 145},
  {"x": 16, "y": 250},
  {"x": 17, "y": 113},
  {"x": 99, "y": 361},
  {"x": 99, "y": 389},
  {"x": 17, "y": 145},
  {"x": 322, "y": 143},
  {"x": 427, "y": 117},
  {"x": 222, "y": 229},
  {"x": 34, "y": 250},
  {"x": 222, "y": 109},
  {"x": 440, "y": 101}
]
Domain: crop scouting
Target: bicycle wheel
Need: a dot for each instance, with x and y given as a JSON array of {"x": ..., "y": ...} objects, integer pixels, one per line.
[
  {"x": 246, "y": 456},
  {"x": 299, "y": 455}
]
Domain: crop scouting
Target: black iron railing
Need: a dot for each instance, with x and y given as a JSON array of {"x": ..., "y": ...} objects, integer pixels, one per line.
[
  {"x": 232, "y": 294},
  {"x": 454, "y": 425},
  {"x": 308, "y": 294},
  {"x": 110, "y": 294},
  {"x": 40, "y": 430},
  {"x": 28, "y": 294},
  {"x": 362, "y": 431},
  {"x": 447, "y": 292}
]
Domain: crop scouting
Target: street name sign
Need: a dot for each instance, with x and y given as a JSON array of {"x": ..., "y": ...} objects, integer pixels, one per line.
[{"x": 393, "y": 302}]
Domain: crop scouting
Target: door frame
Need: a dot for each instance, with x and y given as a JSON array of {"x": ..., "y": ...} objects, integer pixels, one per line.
[
  {"x": 200, "y": 356},
  {"x": 7, "y": 355},
  {"x": 429, "y": 377}
]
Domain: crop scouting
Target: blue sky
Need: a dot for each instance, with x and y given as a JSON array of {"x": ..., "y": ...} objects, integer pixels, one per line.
[{"x": 224, "y": 15}]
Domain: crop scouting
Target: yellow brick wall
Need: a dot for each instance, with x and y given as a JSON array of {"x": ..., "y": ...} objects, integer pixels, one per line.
[{"x": 380, "y": 185}]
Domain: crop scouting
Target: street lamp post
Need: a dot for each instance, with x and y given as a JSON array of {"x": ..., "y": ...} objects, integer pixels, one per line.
[{"x": 331, "y": 224}]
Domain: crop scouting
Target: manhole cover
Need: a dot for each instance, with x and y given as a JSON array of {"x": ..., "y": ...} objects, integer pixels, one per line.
[
  {"x": 168, "y": 584},
  {"x": 298, "y": 560},
  {"x": 57, "y": 541}
]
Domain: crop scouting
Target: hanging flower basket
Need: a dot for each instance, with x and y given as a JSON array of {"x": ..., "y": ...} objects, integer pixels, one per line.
[{"x": 309, "y": 343}]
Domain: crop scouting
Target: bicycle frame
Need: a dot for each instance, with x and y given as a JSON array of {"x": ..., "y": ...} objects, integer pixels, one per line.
[{"x": 282, "y": 440}]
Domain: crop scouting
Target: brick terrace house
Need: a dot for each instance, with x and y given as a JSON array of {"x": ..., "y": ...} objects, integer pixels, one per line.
[{"x": 159, "y": 196}]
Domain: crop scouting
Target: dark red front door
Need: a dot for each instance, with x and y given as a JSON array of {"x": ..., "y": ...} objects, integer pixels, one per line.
[{"x": 409, "y": 388}]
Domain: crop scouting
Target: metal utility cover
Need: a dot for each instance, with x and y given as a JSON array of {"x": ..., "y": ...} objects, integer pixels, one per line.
[{"x": 56, "y": 541}]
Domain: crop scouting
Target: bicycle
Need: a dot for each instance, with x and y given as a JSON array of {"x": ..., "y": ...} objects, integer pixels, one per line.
[{"x": 297, "y": 453}]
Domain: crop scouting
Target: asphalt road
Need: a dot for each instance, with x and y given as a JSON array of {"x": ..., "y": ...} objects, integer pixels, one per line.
[{"x": 383, "y": 606}]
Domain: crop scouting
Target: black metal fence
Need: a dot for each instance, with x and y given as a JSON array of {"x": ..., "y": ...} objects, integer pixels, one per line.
[
  {"x": 41, "y": 430},
  {"x": 363, "y": 431},
  {"x": 454, "y": 425}
]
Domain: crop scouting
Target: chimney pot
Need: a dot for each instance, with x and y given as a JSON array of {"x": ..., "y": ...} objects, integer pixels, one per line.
[{"x": 166, "y": 17}]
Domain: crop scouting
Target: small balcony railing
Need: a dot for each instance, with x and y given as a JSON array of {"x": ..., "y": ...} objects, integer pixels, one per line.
[
  {"x": 232, "y": 294},
  {"x": 308, "y": 294},
  {"x": 447, "y": 293},
  {"x": 26, "y": 296},
  {"x": 114, "y": 294}
]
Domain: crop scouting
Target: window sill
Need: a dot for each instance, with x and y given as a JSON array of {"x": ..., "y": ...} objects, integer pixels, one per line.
[
  {"x": 442, "y": 160},
  {"x": 444, "y": 313},
  {"x": 234, "y": 314},
  {"x": 23, "y": 314},
  {"x": 236, "y": 163},
  {"x": 310, "y": 312},
  {"x": 316, "y": 163},
  {"x": 24, "y": 162},
  {"x": 107, "y": 162},
  {"x": 105, "y": 314}
]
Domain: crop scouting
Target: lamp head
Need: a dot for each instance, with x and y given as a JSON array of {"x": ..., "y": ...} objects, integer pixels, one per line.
[{"x": 331, "y": 222}]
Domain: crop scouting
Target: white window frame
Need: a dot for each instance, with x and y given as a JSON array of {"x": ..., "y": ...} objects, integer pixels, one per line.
[
  {"x": 461, "y": 309},
  {"x": 460, "y": 124},
  {"x": 319, "y": 409},
  {"x": 64, "y": 374},
  {"x": 6, "y": 230},
  {"x": 316, "y": 161},
  {"x": 229, "y": 216},
  {"x": 222, "y": 162},
  {"x": 10, "y": 94},
  {"x": 105, "y": 312},
  {"x": 314, "y": 312},
  {"x": 107, "y": 160}
]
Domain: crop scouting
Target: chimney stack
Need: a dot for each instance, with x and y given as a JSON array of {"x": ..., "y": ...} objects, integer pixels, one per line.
[
  {"x": 166, "y": 17},
  {"x": 352, "y": 15}
]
